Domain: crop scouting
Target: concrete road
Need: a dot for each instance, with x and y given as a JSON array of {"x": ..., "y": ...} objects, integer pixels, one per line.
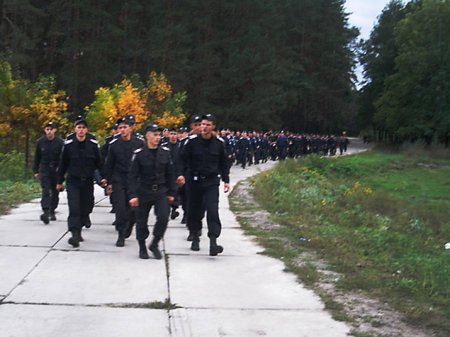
[{"x": 49, "y": 289}]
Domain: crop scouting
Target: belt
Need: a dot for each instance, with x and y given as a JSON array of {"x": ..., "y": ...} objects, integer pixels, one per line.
[
  {"x": 156, "y": 187},
  {"x": 202, "y": 177}
]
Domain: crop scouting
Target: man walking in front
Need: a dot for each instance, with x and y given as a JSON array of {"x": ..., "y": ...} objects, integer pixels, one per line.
[
  {"x": 204, "y": 158},
  {"x": 151, "y": 183},
  {"x": 79, "y": 159}
]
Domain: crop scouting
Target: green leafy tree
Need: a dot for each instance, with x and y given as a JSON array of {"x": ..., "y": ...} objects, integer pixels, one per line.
[{"x": 415, "y": 102}]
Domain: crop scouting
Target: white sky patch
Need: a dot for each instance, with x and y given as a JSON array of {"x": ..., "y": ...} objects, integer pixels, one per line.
[{"x": 363, "y": 15}]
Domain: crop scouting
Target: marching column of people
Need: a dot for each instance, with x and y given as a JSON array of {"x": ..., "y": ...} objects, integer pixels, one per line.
[{"x": 160, "y": 171}]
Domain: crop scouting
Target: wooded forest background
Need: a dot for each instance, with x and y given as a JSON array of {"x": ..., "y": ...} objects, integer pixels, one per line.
[{"x": 259, "y": 64}]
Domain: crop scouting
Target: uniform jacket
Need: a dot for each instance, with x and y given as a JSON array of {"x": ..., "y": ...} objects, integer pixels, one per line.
[
  {"x": 118, "y": 160},
  {"x": 78, "y": 162},
  {"x": 205, "y": 158},
  {"x": 47, "y": 154},
  {"x": 151, "y": 176}
]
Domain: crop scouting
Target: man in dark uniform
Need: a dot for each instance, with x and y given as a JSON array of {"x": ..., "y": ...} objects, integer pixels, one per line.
[
  {"x": 229, "y": 151},
  {"x": 195, "y": 126},
  {"x": 243, "y": 147},
  {"x": 205, "y": 159},
  {"x": 151, "y": 183},
  {"x": 174, "y": 146},
  {"x": 343, "y": 143},
  {"x": 104, "y": 152},
  {"x": 79, "y": 159},
  {"x": 97, "y": 177},
  {"x": 282, "y": 144},
  {"x": 115, "y": 174},
  {"x": 46, "y": 159}
]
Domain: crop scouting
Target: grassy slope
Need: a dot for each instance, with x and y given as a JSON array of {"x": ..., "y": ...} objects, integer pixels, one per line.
[{"x": 381, "y": 219}]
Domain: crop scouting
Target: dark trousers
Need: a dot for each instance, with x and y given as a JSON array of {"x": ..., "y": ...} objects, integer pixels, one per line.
[
  {"x": 80, "y": 197},
  {"x": 162, "y": 217},
  {"x": 282, "y": 153},
  {"x": 50, "y": 195},
  {"x": 244, "y": 158},
  {"x": 125, "y": 215},
  {"x": 204, "y": 195}
]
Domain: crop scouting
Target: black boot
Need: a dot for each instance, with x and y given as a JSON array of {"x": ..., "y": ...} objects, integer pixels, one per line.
[
  {"x": 120, "y": 240},
  {"x": 174, "y": 214},
  {"x": 143, "y": 254},
  {"x": 88, "y": 222},
  {"x": 52, "y": 216},
  {"x": 44, "y": 217},
  {"x": 75, "y": 239},
  {"x": 80, "y": 238},
  {"x": 191, "y": 236},
  {"x": 154, "y": 248},
  {"x": 214, "y": 248},
  {"x": 129, "y": 230},
  {"x": 195, "y": 245}
]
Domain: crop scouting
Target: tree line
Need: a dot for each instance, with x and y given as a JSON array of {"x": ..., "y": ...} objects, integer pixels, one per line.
[
  {"x": 406, "y": 96},
  {"x": 262, "y": 64},
  {"x": 254, "y": 63}
]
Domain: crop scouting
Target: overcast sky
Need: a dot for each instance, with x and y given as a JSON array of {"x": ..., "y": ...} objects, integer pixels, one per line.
[{"x": 363, "y": 14}]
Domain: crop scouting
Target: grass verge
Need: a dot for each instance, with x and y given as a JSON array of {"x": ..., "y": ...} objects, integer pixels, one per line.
[
  {"x": 13, "y": 193},
  {"x": 380, "y": 220}
]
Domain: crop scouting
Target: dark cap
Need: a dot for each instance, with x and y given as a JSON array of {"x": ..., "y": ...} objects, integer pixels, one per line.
[
  {"x": 130, "y": 119},
  {"x": 51, "y": 125},
  {"x": 195, "y": 119},
  {"x": 116, "y": 125},
  {"x": 209, "y": 117},
  {"x": 152, "y": 128},
  {"x": 80, "y": 120}
]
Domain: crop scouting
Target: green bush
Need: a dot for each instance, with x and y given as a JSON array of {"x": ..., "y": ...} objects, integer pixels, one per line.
[{"x": 12, "y": 167}]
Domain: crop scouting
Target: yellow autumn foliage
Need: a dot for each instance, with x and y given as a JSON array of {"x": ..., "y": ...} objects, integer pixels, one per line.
[
  {"x": 154, "y": 103},
  {"x": 168, "y": 120}
]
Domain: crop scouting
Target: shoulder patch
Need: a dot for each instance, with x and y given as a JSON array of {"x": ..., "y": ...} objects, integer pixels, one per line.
[
  {"x": 165, "y": 148},
  {"x": 94, "y": 140},
  {"x": 138, "y": 150},
  {"x": 68, "y": 141},
  {"x": 192, "y": 136},
  {"x": 113, "y": 141},
  {"x": 220, "y": 138}
]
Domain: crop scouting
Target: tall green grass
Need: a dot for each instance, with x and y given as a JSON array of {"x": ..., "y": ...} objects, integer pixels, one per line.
[
  {"x": 380, "y": 219},
  {"x": 16, "y": 181}
]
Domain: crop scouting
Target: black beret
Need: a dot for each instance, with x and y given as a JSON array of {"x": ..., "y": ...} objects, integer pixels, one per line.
[
  {"x": 51, "y": 125},
  {"x": 80, "y": 120},
  {"x": 209, "y": 117},
  {"x": 195, "y": 119},
  {"x": 130, "y": 119},
  {"x": 152, "y": 128}
]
